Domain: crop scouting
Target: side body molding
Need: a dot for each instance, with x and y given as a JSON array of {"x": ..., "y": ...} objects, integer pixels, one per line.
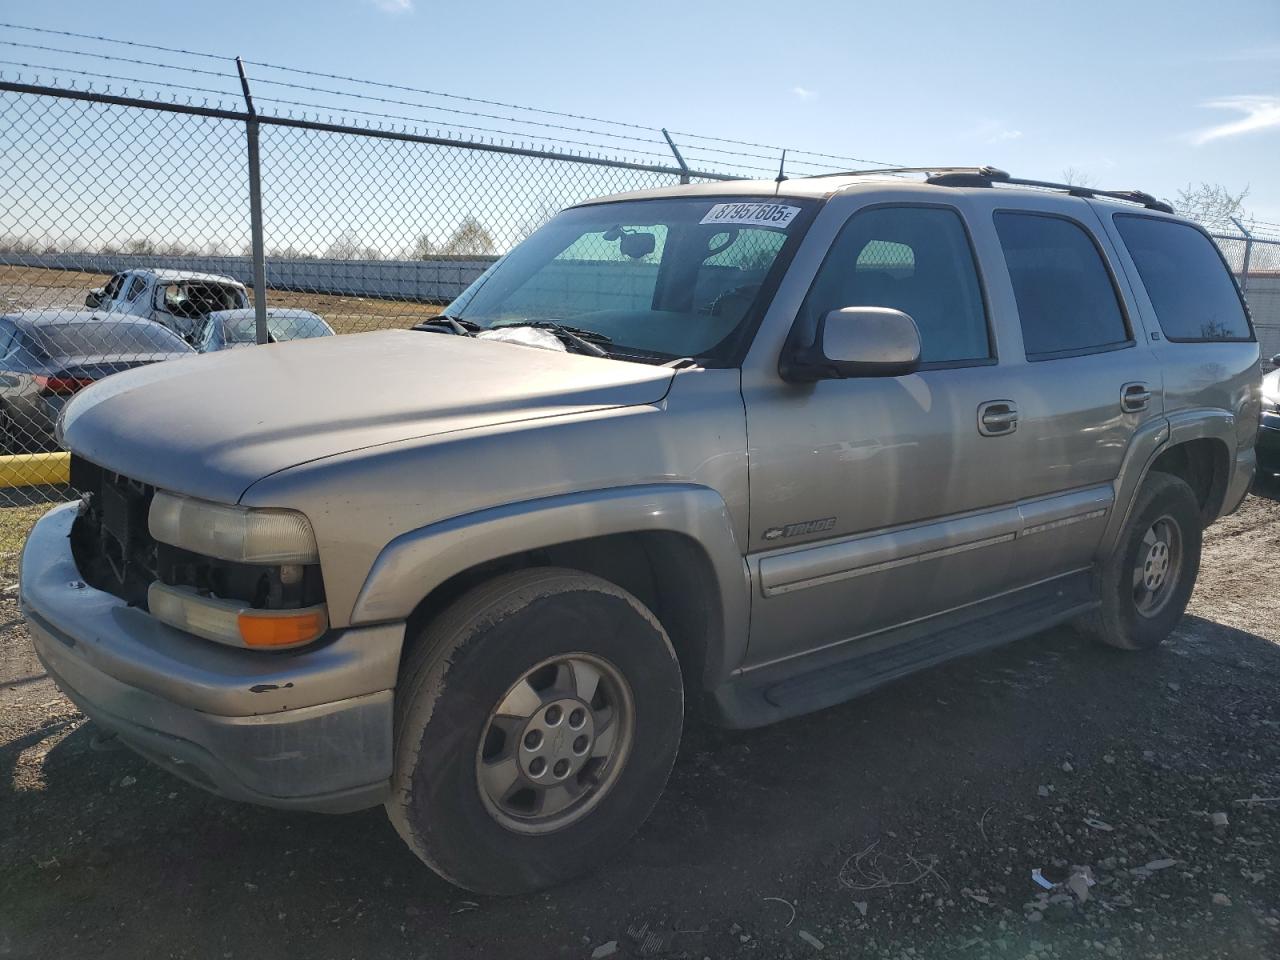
[{"x": 415, "y": 563}]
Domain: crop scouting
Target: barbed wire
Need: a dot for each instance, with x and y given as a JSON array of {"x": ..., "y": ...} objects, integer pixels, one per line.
[
  {"x": 110, "y": 76},
  {"x": 795, "y": 153},
  {"x": 447, "y": 134}
]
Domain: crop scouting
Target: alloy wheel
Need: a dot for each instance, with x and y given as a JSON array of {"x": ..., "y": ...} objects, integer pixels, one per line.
[{"x": 555, "y": 743}]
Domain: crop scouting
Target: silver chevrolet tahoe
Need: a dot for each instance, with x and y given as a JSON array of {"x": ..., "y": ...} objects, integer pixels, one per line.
[{"x": 754, "y": 446}]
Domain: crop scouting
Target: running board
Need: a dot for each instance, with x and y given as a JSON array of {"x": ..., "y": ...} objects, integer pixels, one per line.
[{"x": 847, "y": 670}]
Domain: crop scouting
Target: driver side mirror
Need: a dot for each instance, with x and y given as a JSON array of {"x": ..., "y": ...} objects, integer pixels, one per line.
[
  {"x": 93, "y": 299},
  {"x": 856, "y": 342}
]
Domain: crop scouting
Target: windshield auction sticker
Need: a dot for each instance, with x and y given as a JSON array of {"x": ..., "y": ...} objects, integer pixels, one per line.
[{"x": 754, "y": 214}]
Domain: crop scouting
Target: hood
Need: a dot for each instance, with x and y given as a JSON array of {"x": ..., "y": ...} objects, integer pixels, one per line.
[
  {"x": 210, "y": 426},
  {"x": 1271, "y": 385}
]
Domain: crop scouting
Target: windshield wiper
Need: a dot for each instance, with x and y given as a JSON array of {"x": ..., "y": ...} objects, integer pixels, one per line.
[
  {"x": 447, "y": 324},
  {"x": 586, "y": 341}
]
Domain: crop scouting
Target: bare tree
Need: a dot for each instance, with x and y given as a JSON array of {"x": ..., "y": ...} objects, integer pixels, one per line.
[
  {"x": 544, "y": 211},
  {"x": 1211, "y": 204},
  {"x": 469, "y": 239},
  {"x": 345, "y": 246},
  {"x": 424, "y": 248},
  {"x": 1075, "y": 177}
]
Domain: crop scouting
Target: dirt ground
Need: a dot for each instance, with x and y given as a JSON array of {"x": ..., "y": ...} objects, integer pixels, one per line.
[
  {"x": 906, "y": 824},
  {"x": 25, "y": 288}
]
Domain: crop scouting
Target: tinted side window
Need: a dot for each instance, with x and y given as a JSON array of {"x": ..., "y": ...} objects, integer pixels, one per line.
[
  {"x": 1193, "y": 294},
  {"x": 1067, "y": 301},
  {"x": 914, "y": 259},
  {"x": 136, "y": 286}
]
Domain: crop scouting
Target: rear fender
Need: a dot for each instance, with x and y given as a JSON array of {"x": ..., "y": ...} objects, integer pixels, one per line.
[{"x": 1152, "y": 439}]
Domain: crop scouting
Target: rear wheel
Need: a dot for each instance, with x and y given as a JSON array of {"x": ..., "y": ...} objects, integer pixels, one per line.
[
  {"x": 537, "y": 721},
  {"x": 1146, "y": 583}
]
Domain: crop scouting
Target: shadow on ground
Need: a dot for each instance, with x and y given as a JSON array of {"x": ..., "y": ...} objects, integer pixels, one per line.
[{"x": 964, "y": 767}]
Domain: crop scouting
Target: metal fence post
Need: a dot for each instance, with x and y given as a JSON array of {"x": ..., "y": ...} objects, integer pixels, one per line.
[
  {"x": 255, "y": 212},
  {"x": 1248, "y": 253},
  {"x": 684, "y": 167}
]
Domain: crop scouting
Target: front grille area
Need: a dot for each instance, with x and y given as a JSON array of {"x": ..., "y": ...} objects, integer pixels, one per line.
[
  {"x": 112, "y": 546},
  {"x": 115, "y": 552}
]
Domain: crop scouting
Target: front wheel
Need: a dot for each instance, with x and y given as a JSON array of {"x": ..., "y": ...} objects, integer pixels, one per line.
[
  {"x": 537, "y": 720},
  {"x": 1147, "y": 581}
]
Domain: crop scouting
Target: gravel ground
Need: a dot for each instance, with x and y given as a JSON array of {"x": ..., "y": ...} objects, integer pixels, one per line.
[{"x": 905, "y": 824}]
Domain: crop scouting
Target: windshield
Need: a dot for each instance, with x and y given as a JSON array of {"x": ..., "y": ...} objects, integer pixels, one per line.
[
  {"x": 280, "y": 326},
  {"x": 664, "y": 278}
]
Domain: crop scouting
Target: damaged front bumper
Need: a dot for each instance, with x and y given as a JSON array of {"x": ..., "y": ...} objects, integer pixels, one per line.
[{"x": 305, "y": 729}]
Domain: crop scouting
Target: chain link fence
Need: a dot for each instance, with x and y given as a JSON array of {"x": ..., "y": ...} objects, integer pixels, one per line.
[
  {"x": 128, "y": 237},
  {"x": 1255, "y": 260}
]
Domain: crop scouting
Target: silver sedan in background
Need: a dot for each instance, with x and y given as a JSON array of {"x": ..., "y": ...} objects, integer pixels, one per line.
[{"x": 230, "y": 329}]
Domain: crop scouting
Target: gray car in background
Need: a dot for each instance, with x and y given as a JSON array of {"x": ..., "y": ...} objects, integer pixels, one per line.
[
  {"x": 760, "y": 446},
  {"x": 47, "y": 357},
  {"x": 230, "y": 329}
]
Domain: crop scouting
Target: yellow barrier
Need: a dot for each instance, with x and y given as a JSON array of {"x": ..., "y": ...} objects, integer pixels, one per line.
[{"x": 33, "y": 469}]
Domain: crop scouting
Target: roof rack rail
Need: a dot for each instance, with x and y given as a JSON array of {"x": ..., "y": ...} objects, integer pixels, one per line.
[
  {"x": 992, "y": 172},
  {"x": 980, "y": 179},
  {"x": 986, "y": 176}
]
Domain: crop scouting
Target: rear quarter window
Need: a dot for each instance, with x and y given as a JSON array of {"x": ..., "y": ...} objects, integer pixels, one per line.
[{"x": 1186, "y": 279}]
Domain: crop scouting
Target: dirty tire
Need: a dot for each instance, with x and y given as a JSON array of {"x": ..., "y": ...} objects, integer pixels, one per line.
[
  {"x": 458, "y": 670},
  {"x": 1117, "y": 623}
]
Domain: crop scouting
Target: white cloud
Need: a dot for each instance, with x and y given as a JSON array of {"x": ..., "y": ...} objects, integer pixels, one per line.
[
  {"x": 1260, "y": 113},
  {"x": 992, "y": 131},
  {"x": 804, "y": 93},
  {"x": 394, "y": 6}
]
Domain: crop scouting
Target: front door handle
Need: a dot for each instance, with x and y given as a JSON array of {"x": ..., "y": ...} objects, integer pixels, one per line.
[
  {"x": 996, "y": 418},
  {"x": 1134, "y": 397}
]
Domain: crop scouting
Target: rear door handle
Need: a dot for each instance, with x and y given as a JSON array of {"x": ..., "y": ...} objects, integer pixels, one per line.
[
  {"x": 1134, "y": 397},
  {"x": 997, "y": 418}
]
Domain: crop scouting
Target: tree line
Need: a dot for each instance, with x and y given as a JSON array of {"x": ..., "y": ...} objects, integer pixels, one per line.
[{"x": 469, "y": 238}]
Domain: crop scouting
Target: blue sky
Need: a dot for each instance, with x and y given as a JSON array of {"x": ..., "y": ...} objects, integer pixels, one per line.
[{"x": 1134, "y": 94}]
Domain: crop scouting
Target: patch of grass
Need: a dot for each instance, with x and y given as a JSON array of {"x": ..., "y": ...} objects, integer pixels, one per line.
[{"x": 15, "y": 523}]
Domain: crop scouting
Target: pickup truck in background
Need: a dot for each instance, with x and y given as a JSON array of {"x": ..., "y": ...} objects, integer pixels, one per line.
[{"x": 179, "y": 299}]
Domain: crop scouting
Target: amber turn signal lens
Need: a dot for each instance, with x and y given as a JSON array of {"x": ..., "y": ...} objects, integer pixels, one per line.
[{"x": 282, "y": 630}]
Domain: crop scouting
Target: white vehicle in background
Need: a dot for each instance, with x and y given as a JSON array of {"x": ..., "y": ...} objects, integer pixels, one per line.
[{"x": 179, "y": 299}]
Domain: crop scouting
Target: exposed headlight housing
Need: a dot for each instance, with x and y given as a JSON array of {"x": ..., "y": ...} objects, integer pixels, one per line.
[{"x": 238, "y": 534}]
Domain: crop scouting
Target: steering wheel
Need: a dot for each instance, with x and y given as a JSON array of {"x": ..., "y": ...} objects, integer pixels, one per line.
[{"x": 731, "y": 235}]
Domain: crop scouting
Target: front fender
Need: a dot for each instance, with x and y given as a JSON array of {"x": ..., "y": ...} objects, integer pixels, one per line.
[{"x": 415, "y": 563}]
